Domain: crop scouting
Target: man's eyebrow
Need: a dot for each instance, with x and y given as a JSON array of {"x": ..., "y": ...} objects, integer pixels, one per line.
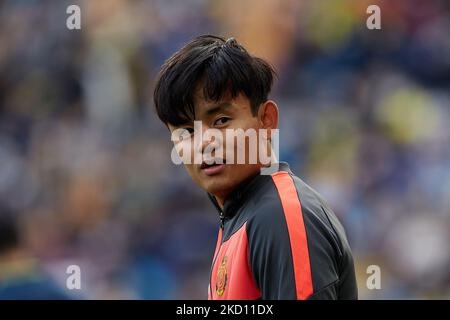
[{"x": 217, "y": 108}]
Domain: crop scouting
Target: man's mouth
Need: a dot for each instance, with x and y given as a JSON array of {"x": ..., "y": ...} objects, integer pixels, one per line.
[{"x": 214, "y": 168}]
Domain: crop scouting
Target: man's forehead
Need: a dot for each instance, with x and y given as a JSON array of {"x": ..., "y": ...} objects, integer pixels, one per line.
[
  {"x": 200, "y": 101},
  {"x": 212, "y": 107}
]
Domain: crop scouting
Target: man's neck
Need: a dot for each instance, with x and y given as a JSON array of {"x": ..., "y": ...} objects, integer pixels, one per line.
[
  {"x": 221, "y": 198},
  {"x": 220, "y": 201}
]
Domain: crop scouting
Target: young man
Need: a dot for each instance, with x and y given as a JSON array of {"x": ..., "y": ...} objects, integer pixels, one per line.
[{"x": 278, "y": 239}]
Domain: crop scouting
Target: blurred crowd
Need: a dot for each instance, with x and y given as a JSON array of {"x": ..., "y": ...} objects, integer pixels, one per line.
[{"x": 85, "y": 164}]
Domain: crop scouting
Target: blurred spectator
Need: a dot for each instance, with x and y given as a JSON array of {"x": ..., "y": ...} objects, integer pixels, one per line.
[{"x": 21, "y": 276}]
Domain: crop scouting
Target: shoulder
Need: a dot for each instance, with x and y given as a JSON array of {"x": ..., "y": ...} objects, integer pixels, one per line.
[
  {"x": 266, "y": 214},
  {"x": 288, "y": 203},
  {"x": 283, "y": 194}
]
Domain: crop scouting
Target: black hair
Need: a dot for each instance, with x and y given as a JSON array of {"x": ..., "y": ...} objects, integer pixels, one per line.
[{"x": 220, "y": 66}]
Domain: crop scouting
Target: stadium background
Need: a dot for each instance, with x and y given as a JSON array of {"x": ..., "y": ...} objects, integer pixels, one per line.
[{"x": 86, "y": 163}]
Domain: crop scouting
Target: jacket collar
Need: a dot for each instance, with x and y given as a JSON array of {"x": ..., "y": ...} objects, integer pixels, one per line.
[{"x": 245, "y": 190}]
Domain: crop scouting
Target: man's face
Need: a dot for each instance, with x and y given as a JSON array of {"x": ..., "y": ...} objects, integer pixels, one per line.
[{"x": 225, "y": 115}]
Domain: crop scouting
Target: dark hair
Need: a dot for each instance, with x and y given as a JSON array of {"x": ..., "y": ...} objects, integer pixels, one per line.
[{"x": 220, "y": 67}]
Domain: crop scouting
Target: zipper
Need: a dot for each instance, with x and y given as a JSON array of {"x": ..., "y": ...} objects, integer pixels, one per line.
[
  {"x": 222, "y": 219},
  {"x": 222, "y": 222}
]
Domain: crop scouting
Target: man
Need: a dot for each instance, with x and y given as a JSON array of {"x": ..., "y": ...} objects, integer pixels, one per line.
[
  {"x": 278, "y": 239},
  {"x": 21, "y": 276}
]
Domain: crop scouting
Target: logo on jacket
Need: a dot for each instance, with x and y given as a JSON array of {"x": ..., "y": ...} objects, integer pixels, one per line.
[{"x": 222, "y": 277}]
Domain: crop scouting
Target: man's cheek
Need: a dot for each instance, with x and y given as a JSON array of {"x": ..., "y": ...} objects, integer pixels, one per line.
[{"x": 191, "y": 171}]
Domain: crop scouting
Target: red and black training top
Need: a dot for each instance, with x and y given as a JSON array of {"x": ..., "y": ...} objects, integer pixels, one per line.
[{"x": 279, "y": 240}]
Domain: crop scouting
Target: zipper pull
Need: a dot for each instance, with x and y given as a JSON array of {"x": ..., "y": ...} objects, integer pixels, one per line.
[{"x": 222, "y": 218}]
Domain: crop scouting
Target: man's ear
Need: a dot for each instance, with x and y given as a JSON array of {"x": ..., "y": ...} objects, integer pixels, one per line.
[{"x": 268, "y": 115}]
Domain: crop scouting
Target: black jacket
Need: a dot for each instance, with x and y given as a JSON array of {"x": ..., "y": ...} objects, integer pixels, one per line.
[{"x": 279, "y": 240}]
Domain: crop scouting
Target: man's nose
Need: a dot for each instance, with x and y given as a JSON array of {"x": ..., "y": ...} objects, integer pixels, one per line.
[
  {"x": 210, "y": 141},
  {"x": 207, "y": 139}
]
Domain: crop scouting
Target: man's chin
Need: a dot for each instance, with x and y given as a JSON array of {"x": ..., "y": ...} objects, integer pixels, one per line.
[{"x": 217, "y": 188}]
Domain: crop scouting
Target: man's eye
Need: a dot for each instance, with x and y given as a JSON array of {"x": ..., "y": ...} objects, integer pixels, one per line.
[{"x": 221, "y": 121}]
